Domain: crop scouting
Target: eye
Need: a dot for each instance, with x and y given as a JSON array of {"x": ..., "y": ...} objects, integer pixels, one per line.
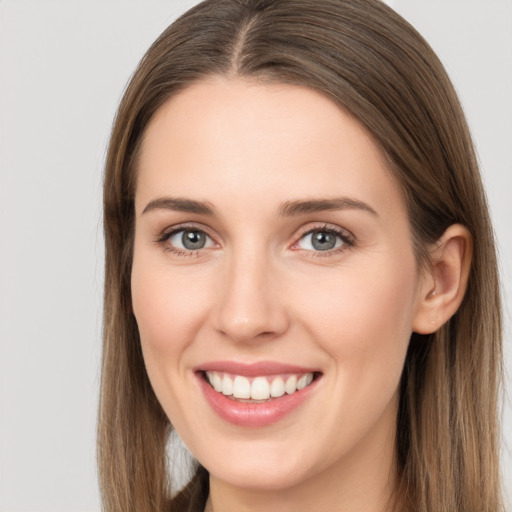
[
  {"x": 189, "y": 240},
  {"x": 321, "y": 240}
]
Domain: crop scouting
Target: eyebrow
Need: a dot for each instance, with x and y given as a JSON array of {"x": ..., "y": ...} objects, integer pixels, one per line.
[
  {"x": 180, "y": 205},
  {"x": 287, "y": 209},
  {"x": 294, "y": 208}
]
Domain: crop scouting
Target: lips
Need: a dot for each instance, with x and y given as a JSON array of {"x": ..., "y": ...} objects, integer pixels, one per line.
[{"x": 255, "y": 395}]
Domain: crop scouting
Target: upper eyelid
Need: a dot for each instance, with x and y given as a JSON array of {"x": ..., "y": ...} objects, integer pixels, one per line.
[
  {"x": 186, "y": 226},
  {"x": 308, "y": 228}
]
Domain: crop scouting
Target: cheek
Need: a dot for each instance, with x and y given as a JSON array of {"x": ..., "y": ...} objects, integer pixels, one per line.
[
  {"x": 169, "y": 309},
  {"x": 363, "y": 322},
  {"x": 363, "y": 318},
  {"x": 168, "y": 306}
]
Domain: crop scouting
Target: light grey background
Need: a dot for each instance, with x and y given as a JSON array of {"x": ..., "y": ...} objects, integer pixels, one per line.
[{"x": 63, "y": 66}]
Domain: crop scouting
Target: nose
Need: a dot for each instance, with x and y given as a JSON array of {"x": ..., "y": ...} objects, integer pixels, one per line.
[{"x": 249, "y": 306}]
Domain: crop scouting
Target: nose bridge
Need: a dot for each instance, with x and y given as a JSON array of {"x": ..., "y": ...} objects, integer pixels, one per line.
[{"x": 249, "y": 307}]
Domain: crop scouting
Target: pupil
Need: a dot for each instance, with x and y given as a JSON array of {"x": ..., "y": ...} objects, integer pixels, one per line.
[
  {"x": 193, "y": 240},
  {"x": 323, "y": 241}
]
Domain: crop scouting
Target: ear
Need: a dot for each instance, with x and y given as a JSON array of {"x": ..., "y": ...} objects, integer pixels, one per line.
[{"x": 442, "y": 287}]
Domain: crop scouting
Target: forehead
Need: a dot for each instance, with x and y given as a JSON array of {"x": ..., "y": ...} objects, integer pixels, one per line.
[{"x": 255, "y": 140}]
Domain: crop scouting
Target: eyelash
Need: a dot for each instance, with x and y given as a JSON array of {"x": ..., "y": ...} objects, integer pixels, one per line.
[
  {"x": 347, "y": 239},
  {"x": 163, "y": 239}
]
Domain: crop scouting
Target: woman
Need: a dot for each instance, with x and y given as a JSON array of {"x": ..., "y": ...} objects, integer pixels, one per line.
[{"x": 300, "y": 270}]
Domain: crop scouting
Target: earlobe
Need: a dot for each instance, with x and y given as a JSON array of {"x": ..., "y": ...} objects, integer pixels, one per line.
[{"x": 442, "y": 289}]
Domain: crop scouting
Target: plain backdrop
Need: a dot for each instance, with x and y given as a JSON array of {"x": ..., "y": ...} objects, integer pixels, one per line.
[{"x": 63, "y": 67}]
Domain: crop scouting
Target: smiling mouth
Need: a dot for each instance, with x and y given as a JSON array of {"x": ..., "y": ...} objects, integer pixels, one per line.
[{"x": 258, "y": 389}]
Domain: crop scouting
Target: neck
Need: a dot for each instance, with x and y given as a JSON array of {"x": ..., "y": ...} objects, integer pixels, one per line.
[{"x": 363, "y": 481}]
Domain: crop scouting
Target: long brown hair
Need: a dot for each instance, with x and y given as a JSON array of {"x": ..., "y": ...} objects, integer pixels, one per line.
[{"x": 372, "y": 63}]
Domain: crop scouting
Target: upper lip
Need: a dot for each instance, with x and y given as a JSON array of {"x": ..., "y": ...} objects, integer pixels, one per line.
[{"x": 253, "y": 369}]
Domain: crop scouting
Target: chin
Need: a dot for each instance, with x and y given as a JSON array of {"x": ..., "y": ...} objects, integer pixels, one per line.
[
  {"x": 260, "y": 477},
  {"x": 260, "y": 465}
]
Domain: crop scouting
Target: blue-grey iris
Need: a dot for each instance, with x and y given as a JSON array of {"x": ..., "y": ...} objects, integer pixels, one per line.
[
  {"x": 193, "y": 240},
  {"x": 323, "y": 241}
]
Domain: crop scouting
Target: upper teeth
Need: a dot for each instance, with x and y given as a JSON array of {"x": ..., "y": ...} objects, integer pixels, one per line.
[{"x": 260, "y": 388}]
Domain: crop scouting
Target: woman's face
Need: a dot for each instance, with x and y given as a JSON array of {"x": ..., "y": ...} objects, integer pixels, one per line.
[{"x": 272, "y": 251}]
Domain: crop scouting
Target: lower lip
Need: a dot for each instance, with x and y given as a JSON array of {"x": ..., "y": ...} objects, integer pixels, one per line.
[{"x": 254, "y": 414}]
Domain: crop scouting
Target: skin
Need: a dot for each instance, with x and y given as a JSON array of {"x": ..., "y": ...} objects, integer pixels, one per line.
[{"x": 258, "y": 290}]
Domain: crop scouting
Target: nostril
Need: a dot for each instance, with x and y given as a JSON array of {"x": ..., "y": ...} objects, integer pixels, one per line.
[{"x": 266, "y": 334}]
